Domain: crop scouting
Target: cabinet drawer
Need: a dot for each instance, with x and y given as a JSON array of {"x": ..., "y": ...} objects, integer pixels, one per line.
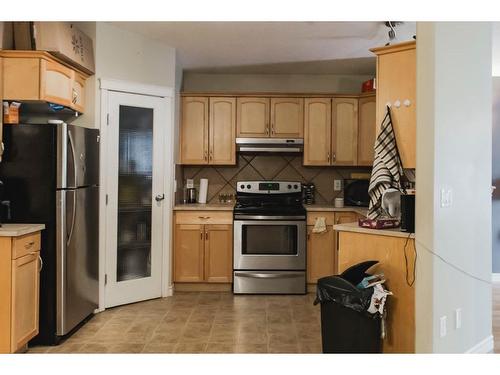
[
  {"x": 204, "y": 217},
  {"x": 26, "y": 244},
  {"x": 312, "y": 215}
]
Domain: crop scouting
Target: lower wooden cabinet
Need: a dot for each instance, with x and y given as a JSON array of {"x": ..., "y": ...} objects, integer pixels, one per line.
[
  {"x": 321, "y": 247},
  {"x": 320, "y": 254},
  {"x": 203, "y": 252},
  {"x": 20, "y": 266}
]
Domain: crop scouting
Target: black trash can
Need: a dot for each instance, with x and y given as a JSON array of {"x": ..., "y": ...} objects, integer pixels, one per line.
[{"x": 346, "y": 326}]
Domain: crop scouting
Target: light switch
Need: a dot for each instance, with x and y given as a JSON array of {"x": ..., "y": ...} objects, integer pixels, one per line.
[
  {"x": 337, "y": 185},
  {"x": 446, "y": 197},
  {"x": 442, "y": 326}
]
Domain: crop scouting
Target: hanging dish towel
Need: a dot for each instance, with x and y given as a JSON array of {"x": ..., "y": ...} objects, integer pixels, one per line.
[
  {"x": 387, "y": 167},
  {"x": 319, "y": 225}
]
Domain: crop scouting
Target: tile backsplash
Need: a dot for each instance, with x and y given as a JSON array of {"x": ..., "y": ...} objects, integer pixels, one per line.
[{"x": 222, "y": 179}]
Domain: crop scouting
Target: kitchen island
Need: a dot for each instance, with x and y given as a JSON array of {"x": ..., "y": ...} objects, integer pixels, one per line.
[{"x": 396, "y": 254}]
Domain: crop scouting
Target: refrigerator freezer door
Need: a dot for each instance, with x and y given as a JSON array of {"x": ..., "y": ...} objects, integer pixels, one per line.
[
  {"x": 77, "y": 256},
  {"x": 77, "y": 156}
]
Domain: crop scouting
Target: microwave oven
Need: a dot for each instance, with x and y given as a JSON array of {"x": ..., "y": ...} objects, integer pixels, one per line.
[{"x": 356, "y": 192}]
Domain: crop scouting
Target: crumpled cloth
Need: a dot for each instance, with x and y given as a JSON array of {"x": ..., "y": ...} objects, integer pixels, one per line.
[
  {"x": 378, "y": 299},
  {"x": 319, "y": 225}
]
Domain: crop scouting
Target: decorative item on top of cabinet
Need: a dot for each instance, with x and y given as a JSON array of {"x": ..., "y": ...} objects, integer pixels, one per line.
[
  {"x": 317, "y": 131},
  {"x": 208, "y": 130},
  {"x": 396, "y": 84},
  {"x": 37, "y": 75},
  {"x": 344, "y": 131},
  {"x": 20, "y": 265},
  {"x": 366, "y": 130},
  {"x": 203, "y": 247}
]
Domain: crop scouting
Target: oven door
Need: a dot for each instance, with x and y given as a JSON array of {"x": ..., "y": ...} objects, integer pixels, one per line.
[{"x": 269, "y": 244}]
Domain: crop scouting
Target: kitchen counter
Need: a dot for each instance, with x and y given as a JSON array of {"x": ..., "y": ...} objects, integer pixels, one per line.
[
  {"x": 354, "y": 227},
  {"x": 15, "y": 230},
  {"x": 204, "y": 207},
  {"x": 329, "y": 208}
]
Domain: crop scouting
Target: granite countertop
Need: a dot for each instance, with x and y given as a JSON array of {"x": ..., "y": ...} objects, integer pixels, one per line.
[
  {"x": 330, "y": 208},
  {"x": 15, "y": 230},
  {"x": 204, "y": 207},
  {"x": 354, "y": 227}
]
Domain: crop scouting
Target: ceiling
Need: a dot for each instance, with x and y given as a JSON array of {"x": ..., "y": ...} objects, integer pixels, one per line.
[{"x": 272, "y": 47}]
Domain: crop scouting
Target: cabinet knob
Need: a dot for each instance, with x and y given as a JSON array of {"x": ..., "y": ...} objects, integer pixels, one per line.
[{"x": 407, "y": 103}]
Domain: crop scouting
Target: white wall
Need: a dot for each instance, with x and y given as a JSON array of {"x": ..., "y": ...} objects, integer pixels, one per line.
[
  {"x": 124, "y": 55},
  {"x": 198, "y": 82},
  {"x": 453, "y": 150}
]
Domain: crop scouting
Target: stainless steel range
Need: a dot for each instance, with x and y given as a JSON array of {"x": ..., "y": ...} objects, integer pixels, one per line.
[{"x": 269, "y": 238}]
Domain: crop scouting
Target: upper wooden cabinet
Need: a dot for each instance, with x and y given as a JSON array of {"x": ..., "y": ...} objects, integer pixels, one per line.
[
  {"x": 287, "y": 117},
  {"x": 222, "y": 131},
  {"x": 194, "y": 131},
  {"x": 344, "y": 131},
  {"x": 334, "y": 132},
  {"x": 208, "y": 130},
  {"x": 366, "y": 130},
  {"x": 253, "y": 118},
  {"x": 37, "y": 75},
  {"x": 317, "y": 131},
  {"x": 396, "y": 81}
]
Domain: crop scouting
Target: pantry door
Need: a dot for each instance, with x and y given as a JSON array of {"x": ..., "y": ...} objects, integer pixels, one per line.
[{"x": 135, "y": 197}]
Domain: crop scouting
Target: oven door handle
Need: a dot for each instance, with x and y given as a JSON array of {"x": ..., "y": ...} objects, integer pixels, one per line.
[
  {"x": 253, "y": 275},
  {"x": 268, "y": 217}
]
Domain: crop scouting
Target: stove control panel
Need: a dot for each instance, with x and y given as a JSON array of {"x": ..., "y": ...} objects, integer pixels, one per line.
[{"x": 268, "y": 187}]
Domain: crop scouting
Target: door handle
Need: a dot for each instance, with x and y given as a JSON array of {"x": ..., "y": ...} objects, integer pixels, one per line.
[{"x": 160, "y": 197}]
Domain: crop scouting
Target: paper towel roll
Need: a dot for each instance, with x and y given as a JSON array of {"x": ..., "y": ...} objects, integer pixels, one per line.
[{"x": 202, "y": 196}]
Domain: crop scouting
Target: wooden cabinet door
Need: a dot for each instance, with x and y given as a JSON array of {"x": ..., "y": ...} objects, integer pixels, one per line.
[
  {"x": 344, "y": 131},
  {"x": 218, "y": 253},
  {"x": 366, "y": 130},
  {"x": 194, "y": 130},
  {"x": 222, "y": 131},
  {"x": 317, "y": 131},
  {"x": 25, "y": 296},
  {"x": 56, "y": 83},
  {"x": 396, "y": 80},
  {"x": 253, "y": 117},
  {"x": 287, "y": 117},
  {"x": 78, "y": 93},
  {"x": 320, "y": 254},
  {"x": 188, "y": 253},
  {"x": 21, "y": 78}
]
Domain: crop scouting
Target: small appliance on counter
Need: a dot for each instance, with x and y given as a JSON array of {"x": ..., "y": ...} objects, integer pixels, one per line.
[
  {"x": 308, "y": 193},
  {"x": 408, "y": 211},
  {"x": 356, "y": 192},
  {"x": 189, "y": 192}
]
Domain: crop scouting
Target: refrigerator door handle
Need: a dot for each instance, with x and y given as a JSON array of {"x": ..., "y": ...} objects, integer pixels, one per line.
[
  {"x": 61, "y": 245},
  {"x": 72, "y": 145},
  {"x": 73, "y": 217}
]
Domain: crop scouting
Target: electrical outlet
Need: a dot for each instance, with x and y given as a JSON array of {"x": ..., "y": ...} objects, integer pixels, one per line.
[
  {"x": 337, "y": 185},
  {"x": 458, "y": 318},
  {"x": 442, "y": 326},
  {"x": 446, "y": 197}
]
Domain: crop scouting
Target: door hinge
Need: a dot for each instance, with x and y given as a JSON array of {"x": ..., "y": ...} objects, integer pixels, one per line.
[
  {"x": 107, "y": 119},
  {"x": 107, "y": 199},
  {"x": 105, "y": 279}
]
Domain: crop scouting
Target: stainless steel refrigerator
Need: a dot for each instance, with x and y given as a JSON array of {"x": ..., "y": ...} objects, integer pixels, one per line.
[{"x": 51, "y": 174}]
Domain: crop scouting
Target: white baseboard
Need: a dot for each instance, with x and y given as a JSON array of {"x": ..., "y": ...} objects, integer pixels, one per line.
[
  {"x": 482, "y": 347},
  {"x": 495, "y": 277},
  {"x": 170, "y": 292}
]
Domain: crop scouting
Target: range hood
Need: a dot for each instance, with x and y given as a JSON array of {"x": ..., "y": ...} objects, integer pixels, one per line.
[
  {"x": 39, "y": 111},
  {"x": 258, "y": 145}
]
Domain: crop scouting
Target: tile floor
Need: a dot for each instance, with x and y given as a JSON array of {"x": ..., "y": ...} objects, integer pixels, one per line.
[
  {"x": 201, "y": 323},
  {"x": 211, "y": 323}
]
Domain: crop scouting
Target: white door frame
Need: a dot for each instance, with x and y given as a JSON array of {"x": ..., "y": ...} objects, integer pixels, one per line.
[{"x": 167, "y": 93}]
